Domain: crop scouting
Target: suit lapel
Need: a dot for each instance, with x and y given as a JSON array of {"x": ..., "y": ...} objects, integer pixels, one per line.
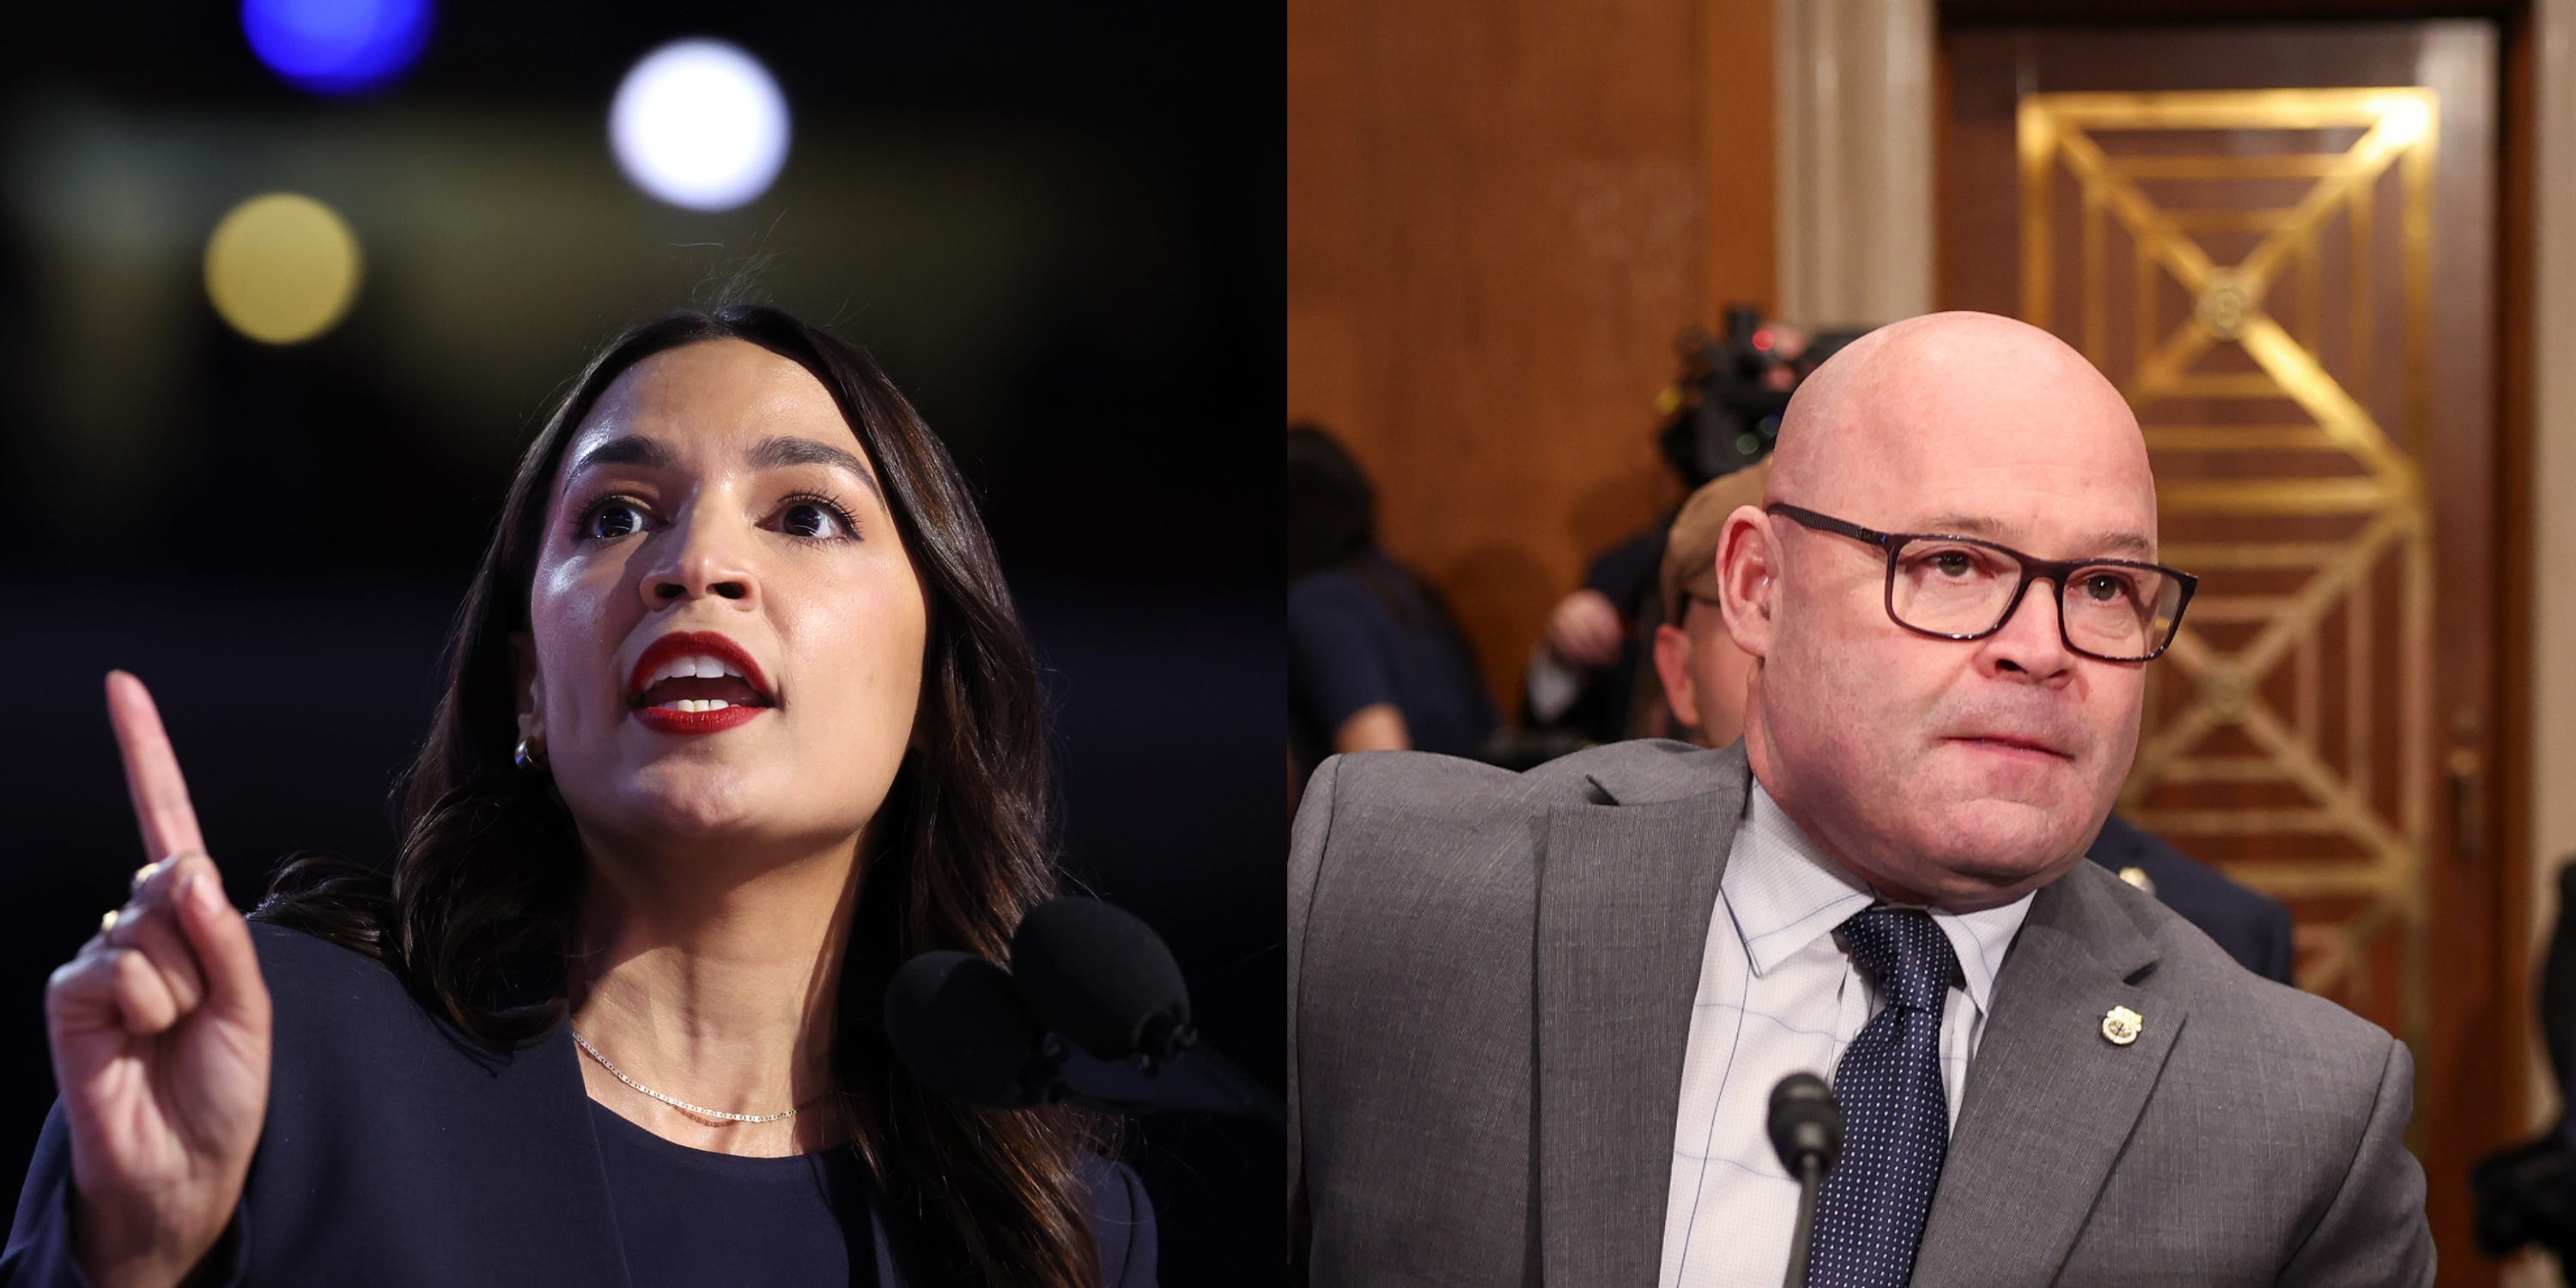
[
  {"x": 1625, "y": 895},
  {"x": 2050, "y": 1100}
]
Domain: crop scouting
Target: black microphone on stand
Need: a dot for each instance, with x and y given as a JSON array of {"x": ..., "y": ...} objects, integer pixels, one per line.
[
  {"x": 1807, "y": 1130},
  {"x": 1098, "y": 975},
  {"x": 957, "y": 1022},
  {"x": 1097, "y": 1013}
]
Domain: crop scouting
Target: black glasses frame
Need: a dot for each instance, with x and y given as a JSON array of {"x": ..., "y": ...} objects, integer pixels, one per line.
[{"x": 2053, "y": 571}]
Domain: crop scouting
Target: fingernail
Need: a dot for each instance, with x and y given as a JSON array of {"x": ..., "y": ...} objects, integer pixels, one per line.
[{"x": 187, "y": 891}]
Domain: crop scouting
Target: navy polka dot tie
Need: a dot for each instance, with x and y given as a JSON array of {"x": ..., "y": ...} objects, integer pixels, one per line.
[{"x": 1896, "y": 1117}]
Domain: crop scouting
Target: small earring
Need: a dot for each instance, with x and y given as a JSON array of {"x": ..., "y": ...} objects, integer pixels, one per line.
[{"x": 529, "y": 756}]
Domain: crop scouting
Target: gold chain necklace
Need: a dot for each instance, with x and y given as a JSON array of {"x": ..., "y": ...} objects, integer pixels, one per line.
[{"x": 682, "y": 1105}]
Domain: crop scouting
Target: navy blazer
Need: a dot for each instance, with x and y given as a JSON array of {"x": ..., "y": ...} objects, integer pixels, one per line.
[
  {"x": 396, "y": 1152},
  {"x": 2254, "y": 928}
]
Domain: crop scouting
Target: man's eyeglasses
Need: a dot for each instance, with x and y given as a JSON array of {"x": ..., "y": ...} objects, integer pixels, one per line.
[{"x": 1961, "y": 588}]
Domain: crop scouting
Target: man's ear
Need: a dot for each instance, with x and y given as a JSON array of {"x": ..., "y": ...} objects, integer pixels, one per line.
[
  {"x": 1673, "y": 665},
  {"x": 530, "y": 688},
  {"x": 1748, "y": 566}
]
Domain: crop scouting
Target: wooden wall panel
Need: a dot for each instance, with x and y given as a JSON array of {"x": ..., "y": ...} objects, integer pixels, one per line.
[{"x": 1499, "y": 214}]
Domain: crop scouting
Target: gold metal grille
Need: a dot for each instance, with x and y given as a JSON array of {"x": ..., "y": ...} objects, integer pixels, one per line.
[{"x": 2223, "y": 257}]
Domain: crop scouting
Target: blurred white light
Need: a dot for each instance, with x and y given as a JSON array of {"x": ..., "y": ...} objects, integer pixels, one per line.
[{"x": 701, "y": 124}]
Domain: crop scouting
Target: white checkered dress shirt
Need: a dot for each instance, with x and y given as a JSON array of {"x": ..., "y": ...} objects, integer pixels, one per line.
[{"x": 1777, "y": 994}]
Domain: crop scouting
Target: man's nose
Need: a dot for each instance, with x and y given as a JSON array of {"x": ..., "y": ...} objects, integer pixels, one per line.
[{"x": 2030, "y": 640}]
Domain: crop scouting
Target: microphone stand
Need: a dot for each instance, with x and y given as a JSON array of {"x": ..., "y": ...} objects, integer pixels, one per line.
[
  {"x": 1806, "y": 1128},
  {"x": 1196, "y": 1080},
  {"x": 1811, "y": 1178}
]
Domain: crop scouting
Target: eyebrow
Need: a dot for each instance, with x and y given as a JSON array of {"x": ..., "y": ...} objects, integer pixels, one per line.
[
  {"x": 625, "y": 449},
  {"x": 785, "y": 452},
  {"x": 2131, "y": 544},
  {"x": 778, "y": 453}
]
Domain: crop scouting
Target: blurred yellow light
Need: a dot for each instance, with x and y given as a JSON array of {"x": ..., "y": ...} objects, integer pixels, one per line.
[{"x": 282, "y": 268}]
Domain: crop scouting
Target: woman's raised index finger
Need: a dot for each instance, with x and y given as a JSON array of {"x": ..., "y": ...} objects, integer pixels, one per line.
[{"x": 152, "y": 778}]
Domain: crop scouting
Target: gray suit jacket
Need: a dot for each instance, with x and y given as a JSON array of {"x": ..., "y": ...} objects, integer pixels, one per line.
[{"x": 1490, "y": 979}]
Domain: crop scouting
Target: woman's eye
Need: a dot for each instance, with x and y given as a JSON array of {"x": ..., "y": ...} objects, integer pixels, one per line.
[
  {"x": 813, "y": 519},
  {"x": 611, "y": 519}
]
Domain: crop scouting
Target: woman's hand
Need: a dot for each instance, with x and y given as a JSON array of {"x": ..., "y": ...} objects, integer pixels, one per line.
[{"x": 160, "y": 1034}]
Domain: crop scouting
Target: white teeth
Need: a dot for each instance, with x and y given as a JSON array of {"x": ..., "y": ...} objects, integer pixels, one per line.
[
  {"x": 694, "y": 666},
  {"x": 714, "y": 704}
]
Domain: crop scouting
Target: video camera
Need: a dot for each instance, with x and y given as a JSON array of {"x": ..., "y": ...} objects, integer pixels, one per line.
[{"x": 1724, "y": 409}]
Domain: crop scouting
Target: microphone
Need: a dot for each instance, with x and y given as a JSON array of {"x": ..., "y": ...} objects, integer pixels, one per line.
[
  {"x": 956, "y": 1022},
  {"x": 1101, "y": 977},
  {"x": 1807, "y": 1130},
  {"x": 1098, "y": 1015}
]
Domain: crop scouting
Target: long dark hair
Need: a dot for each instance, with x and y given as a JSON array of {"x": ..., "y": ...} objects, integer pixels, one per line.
[{"x": 477, "y": 915}]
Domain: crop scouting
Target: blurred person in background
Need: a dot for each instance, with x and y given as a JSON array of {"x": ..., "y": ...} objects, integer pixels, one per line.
[
  {"x": 1592, "y": 675},
  {"x": 1699, "y": 670},
  {"x": 738, "y": 716},
  {"x": 1375, "y": 661},
  {"x": 1702, "y": 675}
]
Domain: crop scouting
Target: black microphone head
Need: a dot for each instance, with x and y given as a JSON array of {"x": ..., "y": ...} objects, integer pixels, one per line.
[
  {"x": 1806, "y": 1122},
  {"x": 1101, "y": 977},
  {"x": 956, "y": 1022}
]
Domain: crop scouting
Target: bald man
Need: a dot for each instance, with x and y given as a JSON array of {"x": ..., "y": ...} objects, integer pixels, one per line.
[
  {"x": 1535, "y": 1019},
  {"x": 1702, "y": 676}
]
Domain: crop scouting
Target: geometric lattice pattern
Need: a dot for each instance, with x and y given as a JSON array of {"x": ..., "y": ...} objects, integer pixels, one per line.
[{"x": 2252, "y": 268}]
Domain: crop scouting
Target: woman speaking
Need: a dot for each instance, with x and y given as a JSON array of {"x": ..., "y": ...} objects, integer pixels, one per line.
[{"x": 737, "y": 717}]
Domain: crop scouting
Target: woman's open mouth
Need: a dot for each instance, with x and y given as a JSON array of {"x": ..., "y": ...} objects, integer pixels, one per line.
[{"x": 696, "y": 682}]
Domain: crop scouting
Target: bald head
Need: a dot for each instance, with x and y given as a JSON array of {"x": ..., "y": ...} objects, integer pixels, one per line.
[
  {"x": 1958, "y": 772},
  {"x": 1962, "y": 404}
]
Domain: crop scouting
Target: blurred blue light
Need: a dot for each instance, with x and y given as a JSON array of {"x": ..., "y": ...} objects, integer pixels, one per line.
[{"x": 336, "y": 46}]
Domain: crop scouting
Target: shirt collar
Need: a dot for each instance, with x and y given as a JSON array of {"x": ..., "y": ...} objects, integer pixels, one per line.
[{"x": 1783, "y": 893}]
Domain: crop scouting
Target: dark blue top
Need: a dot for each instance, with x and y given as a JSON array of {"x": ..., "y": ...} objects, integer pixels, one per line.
[
  {"x": 692, "y": 1217},
  {"x": 2253, "y": 927},
  {"x": 397, "y": 1153},
  {"x": 1366, "y": 633}
]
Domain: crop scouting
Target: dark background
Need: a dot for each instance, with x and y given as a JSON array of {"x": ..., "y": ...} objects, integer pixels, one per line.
[{"x": 1058, "y": 228}]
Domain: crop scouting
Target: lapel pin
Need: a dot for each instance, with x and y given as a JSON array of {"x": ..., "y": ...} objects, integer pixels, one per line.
[
  {"x": 2121, "y": 1025},
  {"x": 2138, "y": 877}
]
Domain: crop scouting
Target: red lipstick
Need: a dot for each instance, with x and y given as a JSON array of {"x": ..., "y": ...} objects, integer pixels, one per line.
[
  {"x": 685, "y": 643},
  {"x": 745, "y": 706},
  {"x": 665, "y": 720}
]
